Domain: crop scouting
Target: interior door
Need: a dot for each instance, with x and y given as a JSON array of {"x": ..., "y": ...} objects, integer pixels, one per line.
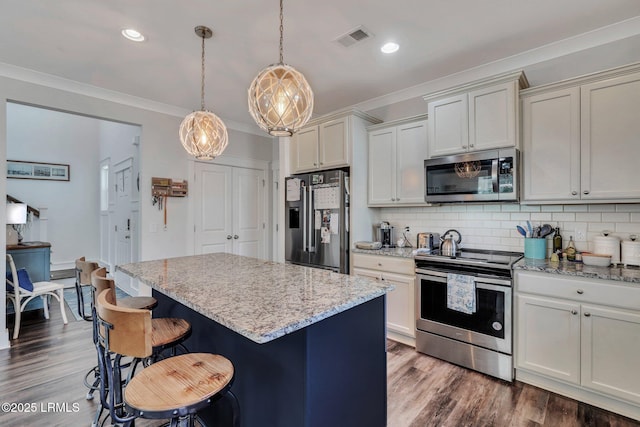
[
  {"x": 213, "y": 208},
  {"x": 123, "y": 222},
  {"x": 248, "y": 229}
]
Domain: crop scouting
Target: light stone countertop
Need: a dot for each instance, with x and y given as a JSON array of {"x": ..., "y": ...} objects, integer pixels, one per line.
[
  {"x": 261, "y": 300},
  {"x": 629, "y": 274},
  {"x": 619, "y": 273},
  {"x": 395, "y": 252}
]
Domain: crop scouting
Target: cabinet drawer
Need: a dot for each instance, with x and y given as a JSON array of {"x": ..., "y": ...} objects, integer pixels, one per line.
[
  {"x": 384, "y": 263},
  {"x": 607, "y": 292}
]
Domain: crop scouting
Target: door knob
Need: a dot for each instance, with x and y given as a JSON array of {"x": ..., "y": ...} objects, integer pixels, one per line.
[
  {"x": 587, "y": 315},
  {"x": 228, "y": 236},
  {"x": 235, "y": 236},
  {"x": 586, "y": 191}
]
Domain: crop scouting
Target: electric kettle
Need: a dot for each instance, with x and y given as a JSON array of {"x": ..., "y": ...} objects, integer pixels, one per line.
[{"x": 449, "y": 246}]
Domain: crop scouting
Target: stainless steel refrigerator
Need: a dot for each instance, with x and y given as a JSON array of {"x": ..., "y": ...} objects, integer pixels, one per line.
[{"x": 317, "y": 220}]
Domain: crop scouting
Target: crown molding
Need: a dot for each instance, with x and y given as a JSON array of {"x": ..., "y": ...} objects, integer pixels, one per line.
[
  {"x": 591, "y": 39},
  {"x": 49, "y": 80}
]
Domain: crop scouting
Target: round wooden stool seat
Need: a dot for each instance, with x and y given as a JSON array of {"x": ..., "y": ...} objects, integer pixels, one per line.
[
  {"x": 144, "y": 303},
  {"x": 168, "y": 331},
  {"x": 178, "y": 386}
]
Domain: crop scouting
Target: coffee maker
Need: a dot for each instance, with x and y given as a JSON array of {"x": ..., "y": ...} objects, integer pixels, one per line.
[{"x": 385, "y": 234}]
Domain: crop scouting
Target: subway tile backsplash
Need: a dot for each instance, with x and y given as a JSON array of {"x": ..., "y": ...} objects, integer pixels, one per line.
[{"x": 494, "y": 225}]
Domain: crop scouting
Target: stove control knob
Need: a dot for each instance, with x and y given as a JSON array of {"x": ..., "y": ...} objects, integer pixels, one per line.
[{"x": 497, "y": 326}]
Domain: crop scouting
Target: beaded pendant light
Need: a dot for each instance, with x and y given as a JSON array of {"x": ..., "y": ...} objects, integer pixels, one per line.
[
  {"x": 280, "y": 99},
  {"x": 202, "y": 133}
]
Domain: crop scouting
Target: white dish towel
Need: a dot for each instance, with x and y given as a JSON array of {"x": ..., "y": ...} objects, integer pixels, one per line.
[{"x": 461, "y": 293}]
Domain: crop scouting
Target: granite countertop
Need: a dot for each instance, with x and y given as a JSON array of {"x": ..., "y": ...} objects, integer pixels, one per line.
[
  {"x": 261, "y": 300},
  {"x": 629, "y": 274},
  {"x": 397, "y": 252},
  {"x": 619, "y": 273}
]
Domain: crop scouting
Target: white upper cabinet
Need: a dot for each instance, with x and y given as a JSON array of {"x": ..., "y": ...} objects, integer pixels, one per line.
[
  {"x": 449, "y": 126},
  {"x": 478, "y": 116},
  {"x": 580, "y": 139},
  {"x": 396, "y": 163},
  {"x": 551, "y": 145},
  {"x": 321, "y": 146},
  {"x": 610, "y": 134}
]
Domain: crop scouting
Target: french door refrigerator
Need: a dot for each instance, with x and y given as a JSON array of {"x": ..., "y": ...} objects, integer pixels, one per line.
[{"x": 317, "y": 220}]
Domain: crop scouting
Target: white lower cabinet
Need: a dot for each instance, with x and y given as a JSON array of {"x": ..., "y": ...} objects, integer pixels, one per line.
[
  {"x": 400, "y": 272},
  {"x": 581, "y": 338}
]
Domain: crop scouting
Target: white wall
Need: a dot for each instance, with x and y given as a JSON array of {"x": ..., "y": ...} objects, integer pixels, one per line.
[
  {"x": 40, "y": 135},
  {"x": 161, "y": 154},
  {"x": 493, "y": 226}
]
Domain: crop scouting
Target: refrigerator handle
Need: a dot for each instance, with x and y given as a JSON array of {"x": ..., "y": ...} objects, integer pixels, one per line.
[
  {"x": 304, "y": 215},
  {"x": 310, "y": 222}
]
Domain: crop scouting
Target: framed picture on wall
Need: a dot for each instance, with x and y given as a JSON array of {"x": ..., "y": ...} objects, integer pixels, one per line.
[{"x": 19, "y": 169}]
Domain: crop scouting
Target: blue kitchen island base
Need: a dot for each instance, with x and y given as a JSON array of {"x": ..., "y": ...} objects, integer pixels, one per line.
[{"x": 330, "y": 373}]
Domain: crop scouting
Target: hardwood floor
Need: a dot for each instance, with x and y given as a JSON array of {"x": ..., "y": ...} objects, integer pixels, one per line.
[
  {"x": 47, "y": 363},
  {"x": 424, "y": 391}
]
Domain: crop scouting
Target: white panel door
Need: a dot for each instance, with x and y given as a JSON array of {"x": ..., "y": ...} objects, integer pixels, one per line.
[
  {"x": 411, "y": 152},
  {"x": 248, "y": 216},
  {"x": 548, "y": 339},
  {"x": 448, "y": 126},
  {"x": 333, "y": 144},
  {"x": 610, "y": 145},
  {"x": 400, "y": 304},
  {"x": 610, "y": 351},
  {"x": 304, "y": 155},
  {"x": 551, "y": 147},
  {"x": 123, "y": 225},
  {"x": 492, "y": 117},
  {"x": 382, "y": 174},
  {"x": 213, "y": 208}
]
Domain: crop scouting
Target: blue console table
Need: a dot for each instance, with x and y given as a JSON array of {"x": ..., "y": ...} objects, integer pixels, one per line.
[{"x": 35, "y": 257}]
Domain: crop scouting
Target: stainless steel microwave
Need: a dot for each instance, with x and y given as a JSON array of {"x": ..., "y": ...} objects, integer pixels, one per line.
[{"x": 483, "y": 176}]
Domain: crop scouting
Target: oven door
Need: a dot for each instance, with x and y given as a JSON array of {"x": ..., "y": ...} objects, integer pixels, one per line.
[{"x": 488, "y": 327}]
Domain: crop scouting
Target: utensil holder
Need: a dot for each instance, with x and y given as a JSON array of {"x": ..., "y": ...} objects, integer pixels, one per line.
[{"x": 535, "y": 248}]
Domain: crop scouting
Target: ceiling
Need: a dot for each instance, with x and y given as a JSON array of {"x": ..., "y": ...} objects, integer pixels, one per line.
[{"x": 81, "y": 41}]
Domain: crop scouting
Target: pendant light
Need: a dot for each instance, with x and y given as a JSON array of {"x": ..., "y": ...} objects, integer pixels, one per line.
[
  {"x": 280, "y": 99},
  {"x": 202, "y": 133}
]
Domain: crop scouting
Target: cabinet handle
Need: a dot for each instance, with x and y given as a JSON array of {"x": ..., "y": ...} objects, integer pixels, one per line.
[
  {"x": 382, "y": 278},
  {"x": 574, "y": 193},
  {"x": 228, "y": 236},
  {"x": 585, "y": 192},
  {"x": 470, "y": 145},
  {"x": 235, "y": 236},
  {"x": 321, "y": 163},
  {"x": 574, "y": 312},
  {"x": 379, "y": 264},
  {"x": 397, "y": 199},
  {"x": 587, "y": 314},
  {"x": 580, "y": 291},
  {"x": 464, "y": 146}
]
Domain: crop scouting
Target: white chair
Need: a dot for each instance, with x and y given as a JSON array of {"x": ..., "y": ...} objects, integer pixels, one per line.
[{"x": 21, "y": 297}]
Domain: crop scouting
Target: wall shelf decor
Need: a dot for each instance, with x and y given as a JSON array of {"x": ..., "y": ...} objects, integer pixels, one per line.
[
  {"x": 166, "y": 187},
  {"x": 19, "y": 169}
]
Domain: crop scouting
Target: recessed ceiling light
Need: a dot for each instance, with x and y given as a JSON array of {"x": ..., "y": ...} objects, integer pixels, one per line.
[
  {"x": 133, "y": 35},
  {"x": 389, "y": 47}
]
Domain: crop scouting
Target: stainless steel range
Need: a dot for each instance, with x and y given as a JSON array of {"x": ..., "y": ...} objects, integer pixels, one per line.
[{"x": 464, "y": 309}]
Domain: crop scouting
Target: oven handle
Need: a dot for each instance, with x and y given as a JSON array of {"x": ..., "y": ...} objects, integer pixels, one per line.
[{"x": 438, "y": 276}]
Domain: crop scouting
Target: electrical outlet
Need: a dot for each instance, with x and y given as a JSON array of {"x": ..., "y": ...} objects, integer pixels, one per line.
[{"x": 581, "y": 233}]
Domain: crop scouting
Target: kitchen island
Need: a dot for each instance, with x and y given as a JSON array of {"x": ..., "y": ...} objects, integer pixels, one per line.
[{"x": 308, "y": 345}]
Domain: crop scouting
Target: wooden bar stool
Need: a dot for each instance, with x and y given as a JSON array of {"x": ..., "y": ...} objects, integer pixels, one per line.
[
  {"x": 176, "y": 387},
  {"x": 84, "y": 269},
  {"x": 99, "y": 281},
  {"x": 168, "y": 334}
]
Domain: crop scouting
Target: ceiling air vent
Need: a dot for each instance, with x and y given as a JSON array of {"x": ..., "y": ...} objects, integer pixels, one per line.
[{"x": 354, "y": 36}]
